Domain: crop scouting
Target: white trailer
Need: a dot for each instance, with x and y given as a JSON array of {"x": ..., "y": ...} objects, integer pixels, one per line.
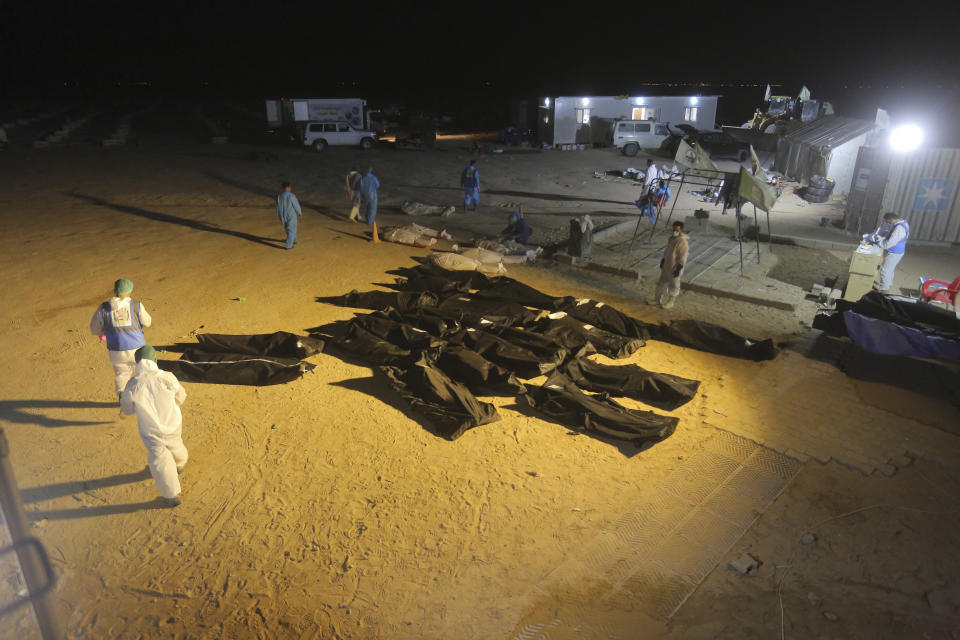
[
  {"x": 567, "y": 121},
  {"x": 297, "y": 111}
]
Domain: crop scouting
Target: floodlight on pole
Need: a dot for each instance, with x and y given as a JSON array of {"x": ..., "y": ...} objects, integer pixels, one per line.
[{"x": 906, "y": 138}]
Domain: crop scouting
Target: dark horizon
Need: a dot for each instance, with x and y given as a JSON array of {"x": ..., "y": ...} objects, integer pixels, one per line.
[
  {"x": 433, "y": 59},
  {"x": 272, "y": 51}
]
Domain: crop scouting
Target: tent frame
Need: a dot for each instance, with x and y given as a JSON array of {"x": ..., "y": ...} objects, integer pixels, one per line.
[{"x": 708, "y": 182}]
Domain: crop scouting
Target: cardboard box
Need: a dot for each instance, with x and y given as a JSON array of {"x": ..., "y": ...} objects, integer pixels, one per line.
[{"x": 865, "y": 263}]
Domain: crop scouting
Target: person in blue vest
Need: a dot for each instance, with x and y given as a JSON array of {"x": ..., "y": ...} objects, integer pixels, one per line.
[
  {"x": 892, "y": 237},
  {"x": 470, "y": 183},
  {"x": 368, "y": 199},
  {"x": 120, "y": 322},
  {"x": 288, "y": 208}
]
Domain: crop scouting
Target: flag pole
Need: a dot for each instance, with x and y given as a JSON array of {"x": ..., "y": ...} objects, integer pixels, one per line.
[
  {"x": 757, "y": 225},
  {"x": 769, "y": 235},
  {"x": 683, "y": 177},
  {"x": 740, "y": 235}
]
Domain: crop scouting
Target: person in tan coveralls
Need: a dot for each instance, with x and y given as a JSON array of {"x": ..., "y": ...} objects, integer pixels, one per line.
[{"x": 671, "y": 267}]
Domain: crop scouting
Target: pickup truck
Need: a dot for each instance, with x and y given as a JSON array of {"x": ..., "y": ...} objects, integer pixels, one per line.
[{"x": 320, "y": 135}]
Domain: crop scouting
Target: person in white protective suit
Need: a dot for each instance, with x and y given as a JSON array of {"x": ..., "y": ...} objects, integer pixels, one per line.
[
  {"x": 120, "y": 322},
  {"x": 651, "y": 179},
  {"x": 155, "y": 396}
]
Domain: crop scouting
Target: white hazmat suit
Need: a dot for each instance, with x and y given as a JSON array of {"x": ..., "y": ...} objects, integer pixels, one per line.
[
  {"x": 650, "y": 180},
  {"x": 155, "y": 396}
]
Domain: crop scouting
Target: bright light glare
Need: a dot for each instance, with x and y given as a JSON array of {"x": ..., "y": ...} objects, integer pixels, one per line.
[
  {"x": 585, "y": 101},
  {"x": 906, "y": 137},
  {"x": 546, "y": 102},
  {"x": 693, "y": 100}
]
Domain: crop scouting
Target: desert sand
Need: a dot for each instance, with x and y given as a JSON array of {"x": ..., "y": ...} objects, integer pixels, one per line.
[{"x": 323, "y": 509}]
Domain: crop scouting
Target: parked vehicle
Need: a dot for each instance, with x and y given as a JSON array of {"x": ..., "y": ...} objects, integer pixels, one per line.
[
  {"x": 320, "y": 135},
  {"x": 721, "y": 145},
  {"x": 291, "y": 112},
  {"x": 632, "y": 135},
  {"x": 718, "y": 144}
]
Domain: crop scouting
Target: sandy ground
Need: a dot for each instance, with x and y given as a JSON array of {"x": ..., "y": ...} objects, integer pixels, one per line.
[{"x": 322, "y": 509}]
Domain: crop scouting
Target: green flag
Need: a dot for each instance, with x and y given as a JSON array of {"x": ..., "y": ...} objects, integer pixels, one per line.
[
  {"x": 695, "y": 158},
  {"x": 754, "y": 189}
]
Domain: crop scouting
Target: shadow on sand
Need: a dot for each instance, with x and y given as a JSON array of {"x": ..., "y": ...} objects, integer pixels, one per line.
[
  {"x": 267, "y": 193},
  {"x": 61, "y": 489},
  {"x": 560, "y": 197},
  {"x": 17, "y": 411},
  {"x": 366, "y": 237},
  {"x": 93, "y": 512},
  {"x": 183, "y": 222}
]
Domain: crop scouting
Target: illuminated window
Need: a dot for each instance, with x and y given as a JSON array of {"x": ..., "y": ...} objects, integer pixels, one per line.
[
  {"x": 583, "y": 116},
  {"x": 690, "y": 114},
  {"x": 644, "y": 113}
]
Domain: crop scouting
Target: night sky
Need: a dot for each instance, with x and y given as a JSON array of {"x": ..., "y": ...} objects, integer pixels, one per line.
[
  {"x": 270, "y": 47},
  {"x": 460, "y": 50}
]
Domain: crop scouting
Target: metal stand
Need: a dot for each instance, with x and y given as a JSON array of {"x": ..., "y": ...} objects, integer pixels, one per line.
[
  {"x": 683, "y": 180},
  {"x": 34, "y": 564}
]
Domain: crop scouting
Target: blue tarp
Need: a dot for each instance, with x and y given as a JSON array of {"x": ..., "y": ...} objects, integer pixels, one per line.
[{"x": 889, "y": 339}]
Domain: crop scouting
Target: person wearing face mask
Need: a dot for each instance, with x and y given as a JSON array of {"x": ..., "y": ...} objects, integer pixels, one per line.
[
  {"x": 671, "y": 267},
  {"x": 120, "y": 322}
]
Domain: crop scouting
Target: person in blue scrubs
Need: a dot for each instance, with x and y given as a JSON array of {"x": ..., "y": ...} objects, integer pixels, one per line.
[
  {"x": 368, "y": 199},
  {"x": 288, "y": 209},
  {"x": 470, "y": 183}
]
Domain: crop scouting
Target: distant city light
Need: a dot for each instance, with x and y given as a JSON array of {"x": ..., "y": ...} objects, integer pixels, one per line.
[{"x": 906, "y": 137}]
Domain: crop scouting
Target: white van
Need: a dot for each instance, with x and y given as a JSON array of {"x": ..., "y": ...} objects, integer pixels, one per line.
[
  {"x": 321, "y": 135},
  {"x": 632, "y": 135}
]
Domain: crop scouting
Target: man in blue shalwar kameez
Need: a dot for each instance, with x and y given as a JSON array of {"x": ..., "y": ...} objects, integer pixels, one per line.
[{"x": 288, "y": 209}]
